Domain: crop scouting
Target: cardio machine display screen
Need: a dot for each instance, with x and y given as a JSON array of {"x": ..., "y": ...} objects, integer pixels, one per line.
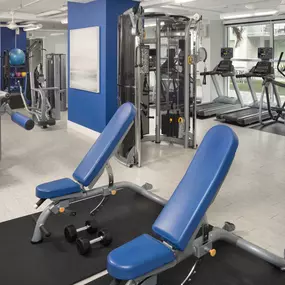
[
  {"x": 227, "y": 53},
  {"x": 265, "y": 53}
]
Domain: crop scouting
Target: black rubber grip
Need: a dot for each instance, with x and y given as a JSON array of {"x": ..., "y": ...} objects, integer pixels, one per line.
[{"x": 205, "y": 73}]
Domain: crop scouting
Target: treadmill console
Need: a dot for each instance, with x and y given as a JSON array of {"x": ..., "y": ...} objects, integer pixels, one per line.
[
  {"x": 226, "y": 65},
  {"x": 227, "y": 53},
  {"x": 264, "y": 67},
  {"x": 265, "y": 53}
]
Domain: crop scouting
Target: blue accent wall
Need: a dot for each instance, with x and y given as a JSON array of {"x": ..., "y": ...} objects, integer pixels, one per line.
[
  {"x": 94, "y": 110},
  {"x": 9, "y": 40}
]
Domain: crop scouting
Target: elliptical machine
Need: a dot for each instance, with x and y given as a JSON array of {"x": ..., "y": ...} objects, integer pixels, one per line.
[
  {"x": 44, "y": 105},
  {"x": 277, "y": 113}
]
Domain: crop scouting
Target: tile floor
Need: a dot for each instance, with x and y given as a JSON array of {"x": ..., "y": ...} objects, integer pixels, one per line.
[{"x": 253, "y": 195}]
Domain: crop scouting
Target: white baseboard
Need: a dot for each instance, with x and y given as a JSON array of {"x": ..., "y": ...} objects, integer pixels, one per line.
[{"x": 82, "y": 130}]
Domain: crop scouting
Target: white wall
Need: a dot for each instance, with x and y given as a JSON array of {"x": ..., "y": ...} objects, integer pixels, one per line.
[
  {"x": 52, "y": 44},
  {"x": 213, "y": 44}
]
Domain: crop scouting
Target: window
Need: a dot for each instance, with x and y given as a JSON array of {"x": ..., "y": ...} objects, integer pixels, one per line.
[
  {"x": 279, "y": 46},
  {"x": 245, "y": 40}
]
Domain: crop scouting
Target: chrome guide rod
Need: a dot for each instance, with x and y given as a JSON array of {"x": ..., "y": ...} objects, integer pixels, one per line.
[
  {"x": 187, "y": 85},
  {"x": 158, "y": 81}
]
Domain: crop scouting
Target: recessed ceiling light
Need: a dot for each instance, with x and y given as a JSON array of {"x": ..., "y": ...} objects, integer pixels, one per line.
[
  {"x": 247, "y": 15},
  {"x": 250, "y": 6},
  {"x": 33, "y": 28},
  {"x": 56, "y": 34},
  {"x": 49, "y": 13},
  {"x": 64, "y": 21},
  {"x": 183, "y": 1}
]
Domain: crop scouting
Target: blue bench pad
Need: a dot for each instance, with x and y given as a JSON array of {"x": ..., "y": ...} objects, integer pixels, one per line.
[
  {"x": 57, "y": 188},
  {"x": 106, "y": 144},
  {"x": 138, "y": 257},
  {"x": 199, "y": 187}
]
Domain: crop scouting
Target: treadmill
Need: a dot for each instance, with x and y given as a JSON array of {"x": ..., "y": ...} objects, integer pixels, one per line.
[
  {"x": 250, "y": 115},
  {"x": 222, "y": 103}
]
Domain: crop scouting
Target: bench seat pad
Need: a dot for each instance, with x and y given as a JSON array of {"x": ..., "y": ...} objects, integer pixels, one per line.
[
  {"x": 138, "y": 257},
  {"x": 57, "y": 188}
]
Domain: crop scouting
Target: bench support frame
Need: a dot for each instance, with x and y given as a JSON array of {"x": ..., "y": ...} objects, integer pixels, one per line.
[
  {"x": 198, "y": 248},
  {"x": 64, "y": 202}
]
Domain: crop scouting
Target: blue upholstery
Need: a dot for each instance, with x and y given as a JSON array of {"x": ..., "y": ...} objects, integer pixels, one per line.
[
  {"x": 184, "y": 211},
  {"x": 201, "y": 183},
  {"x": 104, "y": 147},
  {"x": 57, "y": 188},
  {"x": 22, "y": 121},
  {"x": 138, "y": 257}
]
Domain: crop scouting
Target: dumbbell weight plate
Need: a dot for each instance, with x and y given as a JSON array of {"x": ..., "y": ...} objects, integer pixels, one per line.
[
  {"x": 83, "y": 246},
  {"x": 70, "y": 233},
  {"x": 107, "y": 237},
  {"x": 92, "y": 226}
]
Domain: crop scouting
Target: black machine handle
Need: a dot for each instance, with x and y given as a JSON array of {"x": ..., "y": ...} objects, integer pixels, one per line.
[
  {"x": 207, "y": 73},
  {"x": 279, "y": 62},
  {"x": 244, "y": 75}
]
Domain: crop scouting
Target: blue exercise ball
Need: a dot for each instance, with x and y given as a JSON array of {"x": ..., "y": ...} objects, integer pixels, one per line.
[{"x": 17, "y": 57}]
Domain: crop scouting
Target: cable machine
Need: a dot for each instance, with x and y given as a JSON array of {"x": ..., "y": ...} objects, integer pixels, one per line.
[{"x": 176, "y": 72}]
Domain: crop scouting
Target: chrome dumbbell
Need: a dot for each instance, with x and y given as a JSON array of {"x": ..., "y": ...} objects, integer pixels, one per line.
[
  {"x": 71, "y": 233},
  {"x": 84, "y": 246}
]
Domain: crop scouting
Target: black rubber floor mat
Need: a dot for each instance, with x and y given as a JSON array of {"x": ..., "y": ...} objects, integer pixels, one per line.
[
  {"x": 231, "y": 266},
  {"x": 54, "y": 261}
]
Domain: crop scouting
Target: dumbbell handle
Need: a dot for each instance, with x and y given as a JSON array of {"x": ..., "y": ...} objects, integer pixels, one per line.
[
  {"x": 96, "y": 240},
  {"x": 85, "y": 228}
]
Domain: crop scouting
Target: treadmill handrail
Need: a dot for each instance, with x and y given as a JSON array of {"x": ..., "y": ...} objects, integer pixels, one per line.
[{"x": 251, "y": 74}]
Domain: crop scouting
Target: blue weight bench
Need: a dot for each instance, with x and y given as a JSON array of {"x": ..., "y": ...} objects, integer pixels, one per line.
[
  {"x": 68, "y": 191},
  {"x": 181, "y": 228}
]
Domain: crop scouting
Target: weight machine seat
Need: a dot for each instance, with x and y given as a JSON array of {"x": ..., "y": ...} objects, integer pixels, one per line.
[
  {"x": 141, "y": 255},
  {"x": 95, "y": 160},
  {"x": 184, "y": 211},
  {"x": 57, "y": 188}
]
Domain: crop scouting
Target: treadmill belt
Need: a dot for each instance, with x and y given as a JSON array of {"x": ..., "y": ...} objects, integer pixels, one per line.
[
  {"x": 241, "y": 113},
  {"x": 55, "y": 261},
  {"x": 209, "y": 106},
  {"x": 245, "y": 117},
  {"x": 231, "y": 266},
  {"x": 213, "y": 111}
]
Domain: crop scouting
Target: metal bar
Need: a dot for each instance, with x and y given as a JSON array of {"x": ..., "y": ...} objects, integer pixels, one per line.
[
  {"x": 187, "y": 85},
  {"x": 219, "y": 234},
  {"x": 237, "y": 90},
  {"x": 141, "y": 191},
  {"x": 96, "y": 240},
  {"x": 138, "y": 94},
  {"x": 194, "y": 90},
  {"x": 168, "y": 67},
  {"x": 254, "y": 60},
  {"x": 251, "y": 89},
  {"x": 276, "y": 94},
  {"x": 217, "y": 86},
  {"x": 158, "y": 82}
]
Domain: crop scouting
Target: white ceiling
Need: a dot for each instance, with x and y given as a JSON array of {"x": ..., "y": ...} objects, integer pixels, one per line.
[
  {"x": 36, "y": 8},
  {"x": 210, "y": 8}
]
